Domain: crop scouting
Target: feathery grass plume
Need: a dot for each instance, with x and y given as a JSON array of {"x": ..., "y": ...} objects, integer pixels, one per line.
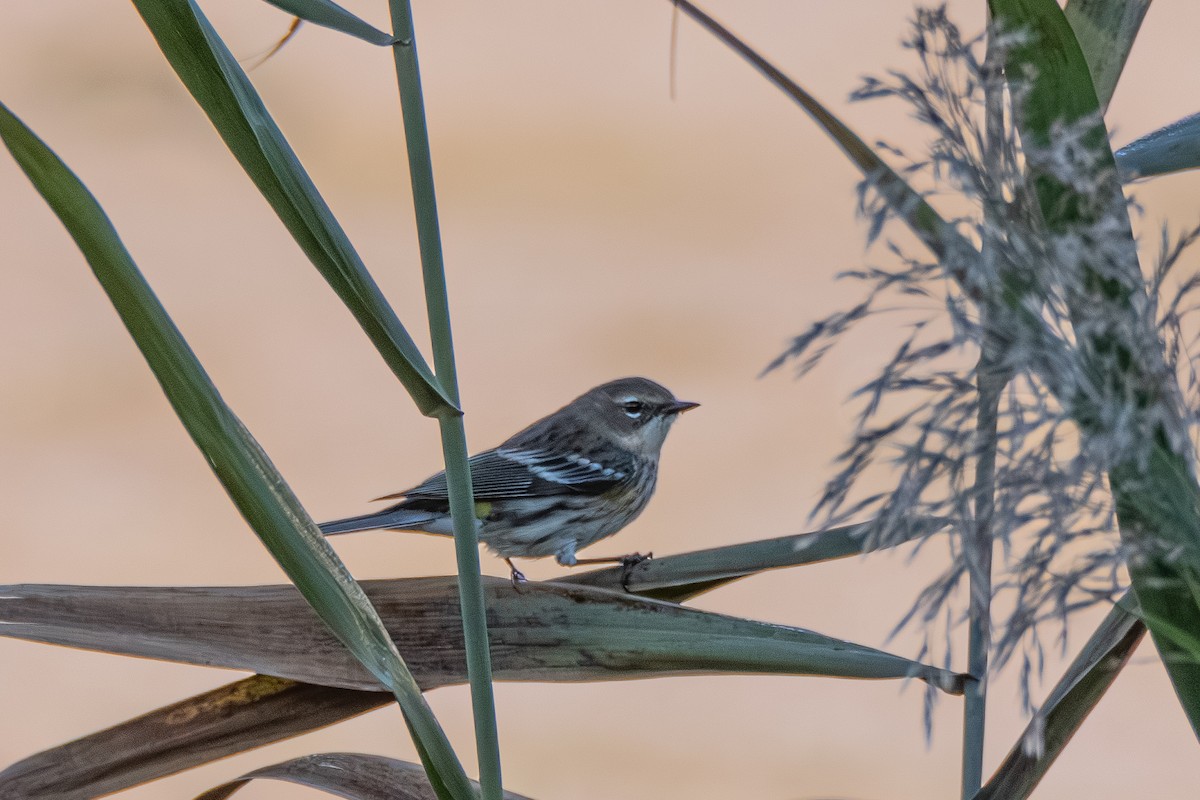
[{"x": 1054, "y": 517}]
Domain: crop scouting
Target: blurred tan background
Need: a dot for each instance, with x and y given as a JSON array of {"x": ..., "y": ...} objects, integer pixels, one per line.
[{"x": 594, "y": 228}]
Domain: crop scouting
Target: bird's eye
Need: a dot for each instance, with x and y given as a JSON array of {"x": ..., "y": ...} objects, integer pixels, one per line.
[{"x": 633, "y": 408}]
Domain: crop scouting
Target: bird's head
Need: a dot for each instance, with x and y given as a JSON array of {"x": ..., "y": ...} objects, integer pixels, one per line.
[{"x": 638, "y": 411}]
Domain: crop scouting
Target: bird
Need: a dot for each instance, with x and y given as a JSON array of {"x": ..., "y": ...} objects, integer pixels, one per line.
[{"x": 572, "y": 478}]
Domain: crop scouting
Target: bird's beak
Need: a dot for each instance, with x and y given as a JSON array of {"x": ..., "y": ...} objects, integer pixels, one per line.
[{"x": 679, "y": 406}]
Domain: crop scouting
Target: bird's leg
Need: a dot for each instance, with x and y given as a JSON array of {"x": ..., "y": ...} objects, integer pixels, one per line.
[
  {"x": 630, "y": 560},
  {"x": 516, "y": 576},
  {"x": 627, "y": 562}
]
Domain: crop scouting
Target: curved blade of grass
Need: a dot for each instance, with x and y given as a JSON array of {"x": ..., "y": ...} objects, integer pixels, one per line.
[
  {"x": 240, "y": 716},
  {"x": 356, "y": 776},
  {"x": 1078, "y": 692},
  {"x": 1106, "y": 30},
  {"x": 244, "y": 470},
  {"x": 680, "y": 577},
  {"x": 1156, "y": 497},
  {"x": 541, "y": 632},
  {"x": 328, "y": 14},
  {"x": 223, "y": 91},
  {"x": 1172, "y": 148},
  {"x": 937, "y": 234}
]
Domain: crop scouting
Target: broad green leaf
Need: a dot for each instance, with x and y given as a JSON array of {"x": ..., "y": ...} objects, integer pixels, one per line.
[
  {"x": 1078, "y": 692},
  {"x": 1106, "y": 30},
  {"x": 680, "y": 577},
  {"x": 223, "y": 91},
  {"x": 1059, "y": 93},
  {"x": 937, "y": 234},
  {"x": 240, "y": 716},
  {"x": 539, "y": 632},
  {"x": 356, "y": 776},
  {"x": 1156, "y": 497},
  {"x": 330, "y": 15},
  {"x": 1172, "y": 148},
  {"x": 251, "y": 480}
]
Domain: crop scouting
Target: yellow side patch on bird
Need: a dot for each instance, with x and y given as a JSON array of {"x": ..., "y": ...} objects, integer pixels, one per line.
[{"x": 482, "y": 509}]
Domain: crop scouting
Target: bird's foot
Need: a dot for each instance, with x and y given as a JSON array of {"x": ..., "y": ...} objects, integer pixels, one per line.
[
  {"x": 628, "y": 563},
  {"x": 516, "y": 576},
  {"x": 633, "y": 559}
]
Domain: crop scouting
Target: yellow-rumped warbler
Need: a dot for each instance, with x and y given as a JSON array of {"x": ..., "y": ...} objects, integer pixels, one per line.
[{"x": 565, "y": 482}]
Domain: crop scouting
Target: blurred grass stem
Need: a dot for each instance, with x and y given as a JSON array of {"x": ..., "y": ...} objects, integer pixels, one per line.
[
  {"x": 454, "y": 440},
  {"x": 991, "y": 378},
  {"x": 978, "y": 554}
]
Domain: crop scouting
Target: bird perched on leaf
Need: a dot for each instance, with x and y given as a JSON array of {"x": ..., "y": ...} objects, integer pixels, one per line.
[{"x": 567, "y": 481}]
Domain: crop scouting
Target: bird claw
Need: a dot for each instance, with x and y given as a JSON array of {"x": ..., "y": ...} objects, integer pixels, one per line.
[
  {"x": 516, "y": 576},
  {"x": 628, "y": 563}
]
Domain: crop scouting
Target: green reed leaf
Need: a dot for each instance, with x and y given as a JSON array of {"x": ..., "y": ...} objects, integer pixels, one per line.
[{"x": 247, "y": 474}]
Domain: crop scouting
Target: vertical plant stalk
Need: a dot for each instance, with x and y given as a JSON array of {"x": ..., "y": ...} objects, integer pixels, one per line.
[
  {"x": 991, "y": 378},
  {"x": 454, "y": 440}
]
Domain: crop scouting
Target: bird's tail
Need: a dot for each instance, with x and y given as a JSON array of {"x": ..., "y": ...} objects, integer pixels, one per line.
[{"x": 402, "y": 519}]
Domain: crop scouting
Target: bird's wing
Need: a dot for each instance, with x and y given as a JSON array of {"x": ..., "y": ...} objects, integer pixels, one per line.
[{"x": 507, "y": 472}]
